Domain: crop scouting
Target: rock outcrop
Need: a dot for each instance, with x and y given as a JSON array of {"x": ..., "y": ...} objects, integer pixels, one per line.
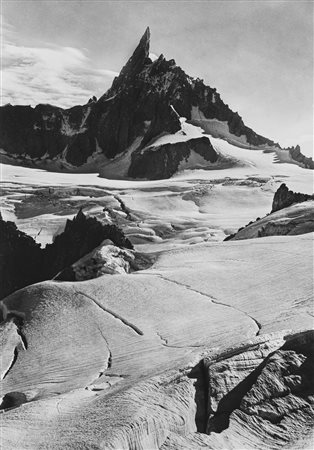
[
  {"x": 145, "y": 101},
  {"x": 284, "y": 197},
  {"x": 296, "y": 155},
  {"x": 164, "y": 161},
  {"x": 20, "y": 259},
  {"x": 295, "y": 220},
  {"x": 23, "y": 262},
  {"x": 292, "y": 213},
  {"x": 80, "y": 236},
  {"x": 104, "y": 259},
  {"x": 46, "y": 132}
]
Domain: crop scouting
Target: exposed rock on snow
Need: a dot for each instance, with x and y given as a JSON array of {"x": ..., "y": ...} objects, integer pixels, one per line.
[
  {"x": 23, "y": 262},
  {"x": 296, "y": 155},
  {"x": 293, "y": 220},
  {"x": 80, "y": 236},
  {"x": 104, "y": 259},
  {"x": 292, "y": 214},
  {"x": 20, "y": 259},
  {"x": 164, "y": 161},
  {"x": 284, "y": 197}
]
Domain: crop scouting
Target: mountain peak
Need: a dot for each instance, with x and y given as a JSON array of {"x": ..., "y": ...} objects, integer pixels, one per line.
[
  {"x": 146, "y": 36},
  {"x": 138, "y": 60},
  {"x": 132, "y": 114}
]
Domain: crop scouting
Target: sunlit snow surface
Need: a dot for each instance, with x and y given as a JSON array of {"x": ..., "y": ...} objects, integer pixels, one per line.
[
  {"x": 191, "y": 207},
  {"x": 96, "y": 370}
]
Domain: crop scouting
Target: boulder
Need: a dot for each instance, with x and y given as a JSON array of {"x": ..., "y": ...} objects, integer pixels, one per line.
[{"x": 104, "y": 259}]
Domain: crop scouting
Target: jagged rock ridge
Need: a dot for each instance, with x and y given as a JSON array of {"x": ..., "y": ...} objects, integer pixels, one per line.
[
  {"x": 144, "y": 102},
  {"x": 291, "y": 214},
  {"x": 163, "y": 161},
  {"x": 296, "y": 155},
  {"x": 23, "y": 262},
  {"x": 284, "y": 197},
  {"x": 20, "y": 258}
]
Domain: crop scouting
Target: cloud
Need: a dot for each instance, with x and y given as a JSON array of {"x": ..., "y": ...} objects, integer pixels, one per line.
[{"x": 63, "y": 76}]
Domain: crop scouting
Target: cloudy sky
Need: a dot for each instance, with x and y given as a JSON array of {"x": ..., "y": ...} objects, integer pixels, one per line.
[{"x": 258, "y": 54}]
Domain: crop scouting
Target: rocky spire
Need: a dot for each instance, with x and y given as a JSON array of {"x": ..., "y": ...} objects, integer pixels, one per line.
[
  {"x": 137, "y": 61},
  {"x": 284, "y": 197}
]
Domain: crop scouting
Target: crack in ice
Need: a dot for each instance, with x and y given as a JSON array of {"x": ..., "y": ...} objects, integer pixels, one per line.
[
  {"x": 166, "y": 344},
  {"x": 113, "y": 314},
  {"x": 213, "y": 300},
  {"x": 22, "y": 343}
]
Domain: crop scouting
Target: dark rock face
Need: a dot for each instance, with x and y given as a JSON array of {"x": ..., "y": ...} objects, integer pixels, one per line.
[
  {"x": 23, "y": 262},
  {"x": 163, "y": 161},
  {"x": 81, "y": 235},
  {"x": 289, "y": 222},
  {"x": 140, "y": 105},
  {"x": 48, "y": 131},
  {"x": 20, "y": 259},
  {"x": 283, "y": 198},
  {"x": 295, "y": 153}
]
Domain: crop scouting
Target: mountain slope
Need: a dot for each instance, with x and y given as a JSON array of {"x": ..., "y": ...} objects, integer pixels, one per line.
[{"x": 145, "y": 101}]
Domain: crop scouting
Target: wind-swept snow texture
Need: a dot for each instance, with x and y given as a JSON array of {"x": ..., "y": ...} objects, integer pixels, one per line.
[
  {"x": 133, "y": 328},
  {"x": 108, "y": 361}
]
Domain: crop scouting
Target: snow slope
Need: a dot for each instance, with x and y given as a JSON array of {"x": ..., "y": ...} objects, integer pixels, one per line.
[
  {"x": 197, "y": 205},
  {"x": 106, "y": 363},
  {"x": 96, "y": 354}
]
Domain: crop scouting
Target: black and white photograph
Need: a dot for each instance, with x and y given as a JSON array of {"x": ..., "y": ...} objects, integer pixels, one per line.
[{"x": 156, "y": 225}]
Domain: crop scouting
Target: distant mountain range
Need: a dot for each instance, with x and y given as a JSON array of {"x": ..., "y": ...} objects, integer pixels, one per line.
[{"x": 135, "y": 130}]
